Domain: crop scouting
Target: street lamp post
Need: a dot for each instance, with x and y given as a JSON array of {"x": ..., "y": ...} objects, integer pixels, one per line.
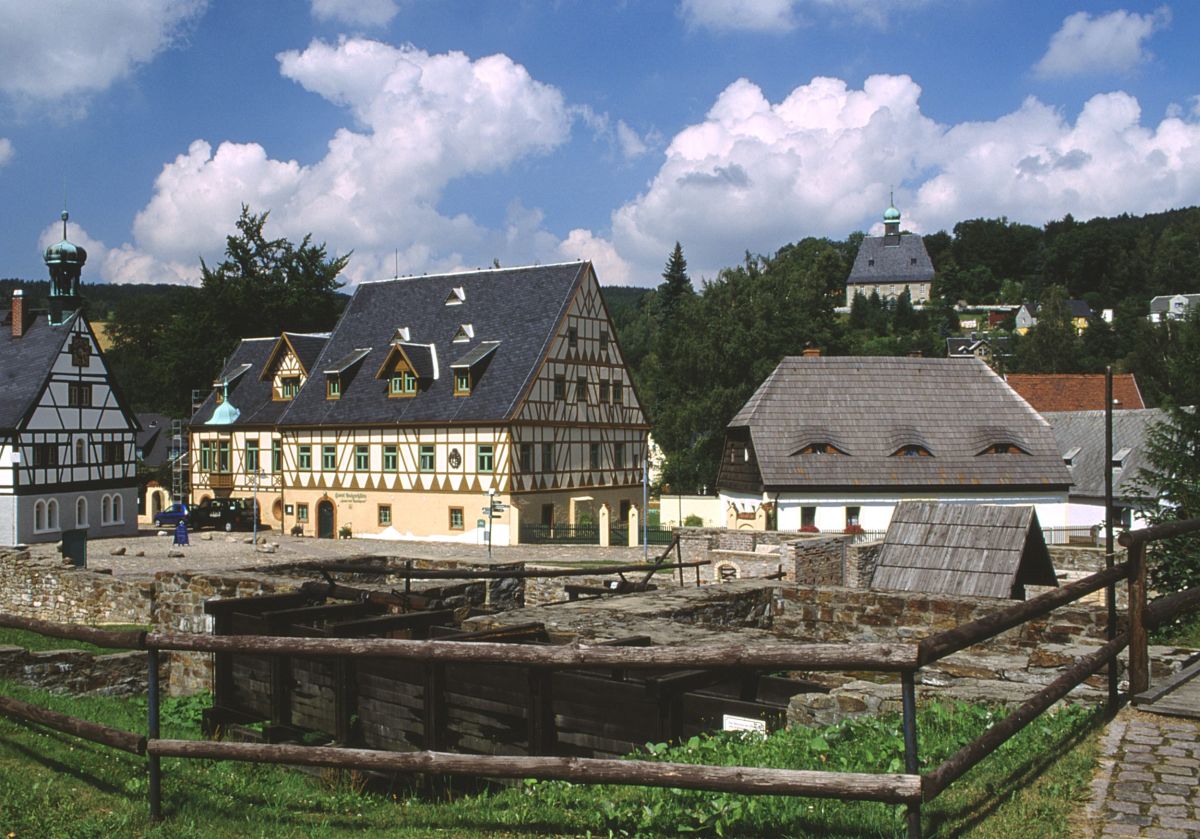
[{"x": 254, "y": 511}]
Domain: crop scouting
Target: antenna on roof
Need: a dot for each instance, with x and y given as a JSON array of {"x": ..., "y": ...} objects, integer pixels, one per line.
[{"x": 396, "y": 275}]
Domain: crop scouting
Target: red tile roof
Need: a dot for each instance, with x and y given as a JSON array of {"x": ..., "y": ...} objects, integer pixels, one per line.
[{"x": 1054, "y": 392}]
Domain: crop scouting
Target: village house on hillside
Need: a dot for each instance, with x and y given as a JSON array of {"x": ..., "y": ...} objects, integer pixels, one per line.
[
  {"x": 832, "y": 444},
  {"x": 1172, "y": 306},
  {"x": 67, "y": 456},
  {"x": 1079, "y": 311},
  {"x": 888, "y": 264},
  {"x": 1080, "y": 436},
  {"x": 1050, "y": 393},
  {"x": 429, "y": 394}
]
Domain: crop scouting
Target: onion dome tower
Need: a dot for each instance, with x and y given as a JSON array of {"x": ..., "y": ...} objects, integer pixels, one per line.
[
  {"x": 65, "y": 261},
  {"x": 891, "y": 218}
]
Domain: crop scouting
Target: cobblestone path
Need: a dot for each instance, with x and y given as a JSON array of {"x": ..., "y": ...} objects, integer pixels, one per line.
[{"x": 1149, "y": 778}]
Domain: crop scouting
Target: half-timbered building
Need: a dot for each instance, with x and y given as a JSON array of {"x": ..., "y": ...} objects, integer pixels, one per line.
[
  {"x": 432, "y": 396},
  {"x": 67, "y": 439}
]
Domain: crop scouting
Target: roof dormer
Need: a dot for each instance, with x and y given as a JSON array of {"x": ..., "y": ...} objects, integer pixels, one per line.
[
  {"x": 457, "y": 296},
  {"x": 465, "y": 333},
  {"x": 408, "y": 368},
  {"x": 470, "y": 368},
  {"x": 339, "y": 373}
]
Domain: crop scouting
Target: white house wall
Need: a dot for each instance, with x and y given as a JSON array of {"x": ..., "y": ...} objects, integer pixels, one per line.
[{"x": 875, "y": 509}]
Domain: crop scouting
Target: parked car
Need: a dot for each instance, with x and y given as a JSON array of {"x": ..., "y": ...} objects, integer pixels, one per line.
[
  {"x": 223, "y": 513},
  {"x": 171, "y": 516}
]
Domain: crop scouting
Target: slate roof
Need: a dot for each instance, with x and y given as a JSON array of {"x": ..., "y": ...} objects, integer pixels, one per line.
[
  {"x": 513, "y": 314},
  {"x": 518, "y": 307},
  {"x": 25, "y": 364},
  {"x": 154, "y": 440},
  {"x": 1081, "y": 435},
  {"x": 977, "y": 550},
  {"x": 1053, "y": 392},
  {"x": 1076, "y": 308},
  {"x": 892, "y": 263},
  {"x": 967, "y": 347},
  {"x": 248, "y": 392},
  {"x": 958, "y": 407}
]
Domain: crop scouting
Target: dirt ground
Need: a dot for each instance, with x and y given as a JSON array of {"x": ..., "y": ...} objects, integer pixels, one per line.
[{"x": 211, "y": 551}]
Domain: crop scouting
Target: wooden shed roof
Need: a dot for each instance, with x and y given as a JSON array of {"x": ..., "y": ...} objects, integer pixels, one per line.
[{"x": 978, "y": 550}]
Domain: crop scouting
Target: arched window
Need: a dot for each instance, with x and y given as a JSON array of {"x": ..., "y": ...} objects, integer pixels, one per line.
[
  {"x": 81, "y": 516},
  {"x": 80, "y": 452},
  {"x": 1004, "y": 448},
  {"x": 52, "y": 515},
  {"x": 118, "y": 512},
  {"x": 39, "y": 516},
  {"x": 106, "y": 510}
]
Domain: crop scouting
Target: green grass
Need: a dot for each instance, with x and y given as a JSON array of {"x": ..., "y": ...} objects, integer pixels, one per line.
[
  {"x": 54, "y": 785},
  {"x": 1182, "y": 632},
  {"x": 34, "y": 642}
]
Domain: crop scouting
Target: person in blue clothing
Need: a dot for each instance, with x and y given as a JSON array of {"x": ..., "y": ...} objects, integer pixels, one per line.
[{"x": 181, "y": 533}]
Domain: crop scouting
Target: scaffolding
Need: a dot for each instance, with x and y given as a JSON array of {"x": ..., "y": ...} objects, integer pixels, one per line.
[{"x": 179, "y": 462}]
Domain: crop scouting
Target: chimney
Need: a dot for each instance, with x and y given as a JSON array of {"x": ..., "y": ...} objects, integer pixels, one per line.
[
  {"x": 18, "y": 313},
  {"x": 811, "y": 351}
]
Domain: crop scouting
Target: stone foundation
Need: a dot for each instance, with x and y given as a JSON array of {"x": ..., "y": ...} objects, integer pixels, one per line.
[{"x": 77, "y": 672}]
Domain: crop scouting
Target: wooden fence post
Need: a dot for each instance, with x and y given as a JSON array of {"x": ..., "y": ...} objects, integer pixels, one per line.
[
  {"x": 908, "y": 701},
  {"x": 1139, "y": 653},
  {"x": 152, "y": 733}
]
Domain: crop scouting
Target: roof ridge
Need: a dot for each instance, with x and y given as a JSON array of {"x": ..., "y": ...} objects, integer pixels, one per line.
[{"x": 473, "y": 271}]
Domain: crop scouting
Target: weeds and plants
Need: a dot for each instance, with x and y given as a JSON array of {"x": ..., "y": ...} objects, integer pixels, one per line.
[{"x": 55, "y": 785}]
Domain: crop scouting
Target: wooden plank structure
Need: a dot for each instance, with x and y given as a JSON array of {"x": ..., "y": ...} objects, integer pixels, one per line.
[
  {"x": 472, "y": 707},
  {"x": 978, "y": 550}
]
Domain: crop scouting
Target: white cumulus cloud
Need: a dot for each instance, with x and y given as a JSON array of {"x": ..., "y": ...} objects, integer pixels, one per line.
[
  {"x": 356, "y": 12},
  {"x": 57, "y": 48},
  {"x": 756, "y": 174},
  {"x": 1110, "y": 43},
  {"x": 419, "y": 122}
]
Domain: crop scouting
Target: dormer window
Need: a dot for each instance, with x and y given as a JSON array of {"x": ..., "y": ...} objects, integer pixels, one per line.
[
  {"x": 465, "y": 333},
  {"x": 289, "y": 386},
  {"x": 870, "y": 263},
  {"x": 462, "y": 382},
  {"x": 820, "y": 448},
  {"x": 1071, "y": 454},
  {"x": 457, "y": 297},
  {"x": 912, "y": 451},
  {"x": 1118, "y": 460},
  {"x": 402, "y": 383},
  {"x": 1004, "y": 448},
  {"x": 469, "y": 368},
  {"x": 402, "y": 334},
  {"x": 333, "y": 386}
]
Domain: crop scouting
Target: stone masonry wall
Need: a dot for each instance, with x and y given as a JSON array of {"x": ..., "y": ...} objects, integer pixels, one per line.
[
  {"x": 58, "y": 592},
  {"x": 76, "y": 671}
]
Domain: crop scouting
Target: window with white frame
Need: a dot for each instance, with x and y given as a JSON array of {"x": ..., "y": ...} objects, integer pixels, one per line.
[{"x": 81, "y": 512}]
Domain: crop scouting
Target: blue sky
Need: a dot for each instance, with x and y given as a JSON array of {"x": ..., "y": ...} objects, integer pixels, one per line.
[{"x": 442, "y": 135}]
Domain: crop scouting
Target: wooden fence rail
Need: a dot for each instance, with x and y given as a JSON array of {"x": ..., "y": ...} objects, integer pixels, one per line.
[
  {"x": 854, "y": 786},
  {"x": 114, "y": 737}
]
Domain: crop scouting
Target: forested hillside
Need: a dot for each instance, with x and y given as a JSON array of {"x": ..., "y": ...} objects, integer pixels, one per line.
[{"x": 697, "y": 353}]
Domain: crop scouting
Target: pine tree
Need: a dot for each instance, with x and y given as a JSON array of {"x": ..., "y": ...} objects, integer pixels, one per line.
[
  {"x": 676, "y": 284},
  {"x": 1173, "y": 482}
]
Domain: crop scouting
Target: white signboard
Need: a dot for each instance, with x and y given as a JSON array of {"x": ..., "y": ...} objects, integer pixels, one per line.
[{"x": 732, "y": 723}]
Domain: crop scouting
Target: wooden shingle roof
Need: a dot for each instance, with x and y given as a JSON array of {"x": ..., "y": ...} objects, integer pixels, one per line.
[
  {"x": 977, "y": 550},
  {"x": 869, "y": 408}
]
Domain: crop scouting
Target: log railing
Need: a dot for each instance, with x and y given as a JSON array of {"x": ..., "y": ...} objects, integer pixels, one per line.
[{"x": 910, "y": 788}]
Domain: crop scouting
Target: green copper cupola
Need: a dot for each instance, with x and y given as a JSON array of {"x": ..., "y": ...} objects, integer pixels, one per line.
[
  {"x": 65, "y": 261},
  {"x": 891, "y": 219}
]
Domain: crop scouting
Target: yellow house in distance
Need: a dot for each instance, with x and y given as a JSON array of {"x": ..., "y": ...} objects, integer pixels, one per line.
[{"x": 432, "y": 396}]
